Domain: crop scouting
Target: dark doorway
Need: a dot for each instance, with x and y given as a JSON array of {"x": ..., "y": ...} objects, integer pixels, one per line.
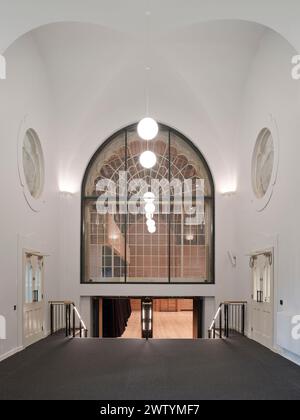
[{"x": 178, "y": 318}]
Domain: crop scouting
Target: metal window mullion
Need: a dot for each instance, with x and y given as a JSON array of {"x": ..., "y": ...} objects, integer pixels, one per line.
[
  {"x": 126, "y": 213},
  {"x": 169, "y": 215}
]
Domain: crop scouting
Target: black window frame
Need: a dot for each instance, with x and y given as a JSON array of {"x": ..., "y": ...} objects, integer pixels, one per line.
[{"x": 84, "y": 199}]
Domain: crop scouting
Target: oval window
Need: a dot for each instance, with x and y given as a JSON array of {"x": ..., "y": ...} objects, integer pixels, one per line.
[
  {"x": 33, "y": 163},
  {"x": 262, "y": 163}
]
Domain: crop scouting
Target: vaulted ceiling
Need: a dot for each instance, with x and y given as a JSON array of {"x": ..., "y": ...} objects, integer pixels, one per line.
[
  {"x": 207, "y": 64},
  {"x": 96, "y": 74}
]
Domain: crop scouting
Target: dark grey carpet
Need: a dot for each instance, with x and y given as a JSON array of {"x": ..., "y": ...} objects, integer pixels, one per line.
[{"x": 58, "y": 368}]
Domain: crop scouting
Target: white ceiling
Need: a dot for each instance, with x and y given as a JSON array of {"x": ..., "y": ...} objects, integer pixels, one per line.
[
  {"x": 208, "y": 62},
  {"x": 198, "y": 76},
  {"x": 18, "y": 17}
]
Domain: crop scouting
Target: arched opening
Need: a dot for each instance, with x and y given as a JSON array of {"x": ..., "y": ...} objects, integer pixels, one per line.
[{"x": 117, "y": 245}]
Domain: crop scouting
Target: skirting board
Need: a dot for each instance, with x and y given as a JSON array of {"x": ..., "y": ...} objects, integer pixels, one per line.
[
  {"x": 10, "y": 353},
  {"x": 17, "y": 349}
]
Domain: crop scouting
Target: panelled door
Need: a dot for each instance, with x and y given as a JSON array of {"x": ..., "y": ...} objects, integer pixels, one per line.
[
  {"x": 33, "y": 299},
  {"x": 262, "y": 299}
]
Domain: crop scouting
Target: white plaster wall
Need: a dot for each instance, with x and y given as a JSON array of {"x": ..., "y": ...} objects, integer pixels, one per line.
[
  {"x": 25, "y": 92},
  {"x": 271, "y": 90}
]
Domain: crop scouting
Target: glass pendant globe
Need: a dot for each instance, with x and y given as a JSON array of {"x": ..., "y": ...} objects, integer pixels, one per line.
[
  {"x": 147, "y": 128},
  {"x": 152, "y": 229},
  {"x": 149, "y": 208},
  {"x": 148, "y": 159},
  {"x": 150, "y": 223},
  {"x": 149, "y": 196}
]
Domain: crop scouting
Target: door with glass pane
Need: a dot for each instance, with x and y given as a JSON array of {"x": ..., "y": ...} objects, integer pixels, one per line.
[
  {"x": 33, "y": 306},
  {"x": 262, "y": 299}
]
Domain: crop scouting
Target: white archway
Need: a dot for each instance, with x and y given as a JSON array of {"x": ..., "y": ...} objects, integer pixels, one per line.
[{"x": 120, "y": 15}]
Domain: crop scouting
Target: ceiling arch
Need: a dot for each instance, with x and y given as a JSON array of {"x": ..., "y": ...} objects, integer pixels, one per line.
[
  {"x": 110, "y": 63},
  {"x": 128, "y": 16}
]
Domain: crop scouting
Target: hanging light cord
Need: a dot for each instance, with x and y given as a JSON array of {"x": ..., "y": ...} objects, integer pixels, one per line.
[
  {"x": 147, "y": 127},
  {"x": 147, "y": 65}
]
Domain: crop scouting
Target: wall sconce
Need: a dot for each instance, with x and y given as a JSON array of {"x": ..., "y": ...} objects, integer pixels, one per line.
[
  {"x": 228, "y": 193},
  {"x": 232, "y": 258},
  {"x": 146, "y": 318},
  {"x": 66, "y": 194},
  {"x": 67, "y": 185}
]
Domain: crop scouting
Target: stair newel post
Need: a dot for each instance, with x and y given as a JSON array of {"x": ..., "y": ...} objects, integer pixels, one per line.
[
  {"x": 226, "y": 320},
  {"x": 66, "y": 311},
  {"x": 51, "y": 319},
  {"x": 243, "y": 319},
  {"x": 220, "y": 324},
  {"x": 74, "y": 329}
]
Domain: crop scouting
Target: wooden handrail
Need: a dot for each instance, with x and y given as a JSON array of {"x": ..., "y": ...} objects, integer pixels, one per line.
[
  {"x": 61, "y": 302},
  {"x": 235, "y": 302}
]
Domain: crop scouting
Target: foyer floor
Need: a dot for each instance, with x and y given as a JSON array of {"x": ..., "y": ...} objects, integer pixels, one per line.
[
  {"x": 59, "y": 368},
  {"x": 166, "y": 325}
]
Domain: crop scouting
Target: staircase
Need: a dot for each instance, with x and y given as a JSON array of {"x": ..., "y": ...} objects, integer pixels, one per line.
[
  {"x": 229, "y": 320},
  {"x": 65, "y": 317}
]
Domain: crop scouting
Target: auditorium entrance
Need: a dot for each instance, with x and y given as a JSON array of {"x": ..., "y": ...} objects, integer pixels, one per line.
[{"x": 148, "y": 318}]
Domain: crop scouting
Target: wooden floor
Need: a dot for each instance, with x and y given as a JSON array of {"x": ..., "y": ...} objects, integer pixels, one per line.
[
  {"x": 165, "y": 325},
  {"x": 133, "y": 329}
]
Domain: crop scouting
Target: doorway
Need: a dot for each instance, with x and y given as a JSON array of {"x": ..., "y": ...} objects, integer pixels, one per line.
[
  {"x": 33, "y": 298},
  {"x": 134, "y": 326},
  {"x": 157, "y": 318},
  {"x": 262, "y": 305}
]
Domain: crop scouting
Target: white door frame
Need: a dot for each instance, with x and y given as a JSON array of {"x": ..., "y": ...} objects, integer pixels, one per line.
[
  {"x": 271, "y": 250},
  {"x": 33, "y": 306},
  {"x": 26, "y": 244}
]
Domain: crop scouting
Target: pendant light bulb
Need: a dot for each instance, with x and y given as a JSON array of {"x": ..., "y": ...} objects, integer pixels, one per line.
[
  {"x": 150, "y": 208},
  {"x": 149, "y": 197},
  {"x": 148, "y": 159},
  {"x": 152, "y": 229},
  {"x": 150, "y": 223},
  {"x": 147, "y": 128}
]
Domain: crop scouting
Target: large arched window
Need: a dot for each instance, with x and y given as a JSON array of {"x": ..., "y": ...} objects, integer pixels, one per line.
[{"x": 119, "y": 243}]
